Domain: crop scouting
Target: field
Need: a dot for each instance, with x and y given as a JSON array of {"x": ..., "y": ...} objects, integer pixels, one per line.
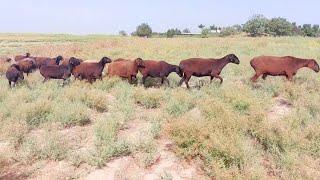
[{"x": 112, "y": 129}]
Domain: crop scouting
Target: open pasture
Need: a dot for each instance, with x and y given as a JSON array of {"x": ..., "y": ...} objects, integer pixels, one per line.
[{"x": 235, "y": 130}]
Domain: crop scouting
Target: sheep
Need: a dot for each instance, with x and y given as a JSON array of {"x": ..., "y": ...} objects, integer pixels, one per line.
[
  {"x": 205, "y": 67},
  {"x": 90, "y": 70},
  {"x": 58, "y": 71},
  {"x": 125, "y": 68},
  {"x": 160, "y": 69},
  {"x": 40, "y": 61},
  {"x": 27, "y": 65},
  {"x": 20, "y": 57},
  {"x": 280, "y": 66},
  {"x": 14, "y": 74}
]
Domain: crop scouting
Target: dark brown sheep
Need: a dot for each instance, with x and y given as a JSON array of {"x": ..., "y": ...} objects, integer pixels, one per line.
[
  {"x": 40, "y": 61},
  {"x": 90, "y": 70},
  {"x": 58, "y": 71},
  {"x": 14, "y": 74},
  {"x": 125, "y": 68},
  {"x": 205, "y": 67},
  {"x": 27, "y": 65},
  {"x": 66, "y": 61},
  {"x": 158, "y": 69},
  {"x": 280, "y": 66},
  {"x": 20, "y": 57}
]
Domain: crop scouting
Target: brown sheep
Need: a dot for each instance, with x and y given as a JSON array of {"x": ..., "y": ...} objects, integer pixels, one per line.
[
  {"x": 58, "y": 71},
  {"x": 5, "y": 60},
  {"x": 90, "y": 70},
  {"x": 158, "y": 69},
  {"x": 27, "y": 65},
  {"x": 125, "y": 68},
  {"x": 280, "y": 66},
  {"x": 40, "y": 61},
  {"x": 14, "y": 74},
  {"x": 20, "y": 57},
  {"x": 205, "y": 67}
]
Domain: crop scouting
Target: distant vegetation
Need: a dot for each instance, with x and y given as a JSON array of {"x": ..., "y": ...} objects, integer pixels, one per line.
[{"x": 256, "y": 26}]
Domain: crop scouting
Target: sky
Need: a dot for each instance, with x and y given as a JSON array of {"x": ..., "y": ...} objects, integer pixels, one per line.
[{"x": 109, "y": 17}]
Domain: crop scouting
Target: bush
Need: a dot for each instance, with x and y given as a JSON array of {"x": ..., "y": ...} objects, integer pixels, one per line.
[
  {"x": 205, "y": 32},
  {"x": 280, "y": 27},
  {"x": 171, "y": 32},
  {"x": 123, "y": 33},
  {"x": 143, "y": 30},
  {"x": 229, "y": 31},
  {"x": 256, "y": 26},
  {"x": 70, "y": 114},
  {"x": 148, "y": 99},
  {"x": 179, "y": 103},
  {"x": 36, "y": 113},
  {"x": 106, "y": 142}
]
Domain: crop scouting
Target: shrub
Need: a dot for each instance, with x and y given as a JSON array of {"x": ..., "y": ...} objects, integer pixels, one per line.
[
  {"x": 256, "y": 26},
  {"x": 96, "y": 100},
  {"x": 229, "y": 31},
  {"x": 205, "y": 32},
  {"x": 70, "y": 114},
  {"x": 106, "y": 142},
  {"x": 144, "y": 30},
  {"x": 148, "y": 99},
  {"x": 280, "y": 27},
  {"x": 123, "y": 33},
  {"x": 179, "y": 103},
  {"x": 36, "y": 113}
]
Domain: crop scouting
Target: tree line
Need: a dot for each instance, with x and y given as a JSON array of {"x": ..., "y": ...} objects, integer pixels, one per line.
[{"x": 258, "y": 25}]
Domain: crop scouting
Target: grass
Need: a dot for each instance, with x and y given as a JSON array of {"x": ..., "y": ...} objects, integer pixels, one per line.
[{"x": 226, "y": 128}]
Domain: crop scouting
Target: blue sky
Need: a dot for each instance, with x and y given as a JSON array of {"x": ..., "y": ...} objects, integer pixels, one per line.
[{"x": 108, "y": 17}]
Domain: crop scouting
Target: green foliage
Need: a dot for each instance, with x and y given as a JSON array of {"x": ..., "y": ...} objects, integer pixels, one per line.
[
  {"x": 229, "y": 31},
  {"x": 179, "y": 103},
  {"x": 172, "y": 32},
  {"x": 256, "y": 26},
  {"x": 123, "y": 33},
  {"x": 186, "y": 31},
  {"x": 309, "y": 30},
  {"x": 149, "y": 99},
  {"x": 143, "y": 30},
  {"x": 205, "y": 32},
  {"x": 280, "y": 27}
]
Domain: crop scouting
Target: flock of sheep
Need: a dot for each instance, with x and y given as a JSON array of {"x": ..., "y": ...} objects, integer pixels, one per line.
[{"x": 60, "y": 68}]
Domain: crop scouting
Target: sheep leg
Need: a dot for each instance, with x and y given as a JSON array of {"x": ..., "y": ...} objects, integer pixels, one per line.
[
  {"x": 217, "y": 76},
  {"x": 255, "y": 77},
  {"x": 10, "y": 84},
  {"x": 264, "y": 76},
  {"x": 181, "y": 81},
  {"x": 186, "y": 80},
  {"x": 211, "y": 78},
  {"x": 45, "y": 79},
  {"x": 144, "y": 80},
  {"x": 289, "y": 77}
]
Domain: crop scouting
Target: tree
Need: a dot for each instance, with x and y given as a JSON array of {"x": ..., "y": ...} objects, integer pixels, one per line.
[
  {"x": 201, "y": 26},
  {"x": 144, "y": 30},
  {"x": 186, "y": 30},
  {"x": 307, "y": 30},
  {"x": 256, "y": 26},
  {"x": 316, "y": 29},
  {"x": 123, "y": 33},
  {"x": 205, "y": 32},
  {"x": 213, "y": 28},
  {"x": 171, "y": 32},
  {"x": 280, "y": 27}
]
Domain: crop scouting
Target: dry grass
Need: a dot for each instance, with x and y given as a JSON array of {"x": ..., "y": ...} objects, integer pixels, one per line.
[{"x": 224, "y": 127}]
